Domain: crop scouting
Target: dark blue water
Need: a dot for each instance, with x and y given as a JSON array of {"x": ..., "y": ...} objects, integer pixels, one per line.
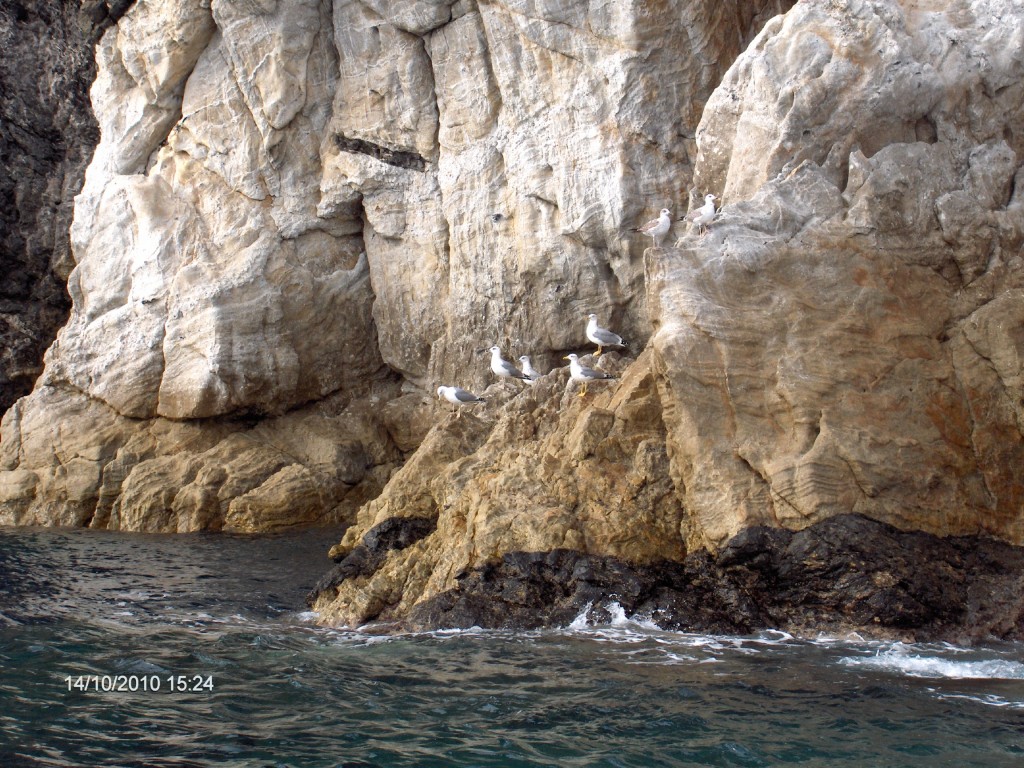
[{"x": 222, "y": 619}]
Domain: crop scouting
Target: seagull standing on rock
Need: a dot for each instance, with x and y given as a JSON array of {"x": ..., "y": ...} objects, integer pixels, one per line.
[
  {"x": 657, "y": 228},
  {"x": 602, "y": 336},
  {"x": 579, "y": 372},
  {"x": 458, "y": 396},
  {"x": 532, "y": 374},
  {"x": 704, "y": 215},
  {"x": 503, "y": 368}
]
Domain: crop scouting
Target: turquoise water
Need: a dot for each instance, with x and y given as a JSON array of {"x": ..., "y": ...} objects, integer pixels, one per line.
[{"x": 255, "y": 683}]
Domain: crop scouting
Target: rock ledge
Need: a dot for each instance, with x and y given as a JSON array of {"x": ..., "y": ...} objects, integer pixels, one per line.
[{"x": 845, "y": 574}]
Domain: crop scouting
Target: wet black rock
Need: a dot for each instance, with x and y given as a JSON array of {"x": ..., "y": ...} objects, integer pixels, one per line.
[{"x": 845, "y": 574}]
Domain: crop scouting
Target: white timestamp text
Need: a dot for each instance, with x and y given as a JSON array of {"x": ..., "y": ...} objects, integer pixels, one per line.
[{"x": 140, "y": 683}]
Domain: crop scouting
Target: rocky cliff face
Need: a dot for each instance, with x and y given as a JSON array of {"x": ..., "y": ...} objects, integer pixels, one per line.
[
  {"x": 47, "y": 134},
  {"x": 847, "y": 339},
  {"x": 300, "y": 212},
  {"x": 303, "y": 217}
]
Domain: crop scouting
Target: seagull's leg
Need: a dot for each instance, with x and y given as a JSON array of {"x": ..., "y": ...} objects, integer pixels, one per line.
[
  {"x": 596, "y": 354},
  {"x": 583, "y": 390}
]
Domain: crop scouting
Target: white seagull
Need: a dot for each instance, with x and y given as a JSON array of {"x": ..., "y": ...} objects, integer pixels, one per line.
[
  {"x": 504, "y": 368},
  {"x": 578, "y": 372},
  {"x": 532, "y": 374},
  {"x": 602, "y": 336},
  {"x": 657, "y": 228},
  {"x": 458, "y": 396},
  {"x": 704, "y": 215}
]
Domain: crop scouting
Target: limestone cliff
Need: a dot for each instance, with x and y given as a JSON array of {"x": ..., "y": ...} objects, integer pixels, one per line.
[
  {"x": 301, "y": 211},
  {"x": 302, "y": 217}
]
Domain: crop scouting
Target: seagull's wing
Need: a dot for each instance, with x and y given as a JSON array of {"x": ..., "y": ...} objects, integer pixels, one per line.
[
  {"x": 590, "y": 373},
  {"x": 607, "y": 338},
  {"x": 511, "y": 370},
  {"x": 466, "y": 397}
]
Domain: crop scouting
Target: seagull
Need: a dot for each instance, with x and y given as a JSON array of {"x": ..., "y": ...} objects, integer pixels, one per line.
[
  {"x": 579, "y": 372},
  {"x": 504, "y": 368},
  {"x": 532, "y": 374},
  {"x": 703, "y": 215},
  {"x": 657, "y": 228},
  {"x": 458, "y": 396},
  {"x": 601, "y": 336}
]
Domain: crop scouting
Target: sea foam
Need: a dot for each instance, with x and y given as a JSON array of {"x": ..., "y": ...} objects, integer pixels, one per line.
[{"x": 907, "y": 661}]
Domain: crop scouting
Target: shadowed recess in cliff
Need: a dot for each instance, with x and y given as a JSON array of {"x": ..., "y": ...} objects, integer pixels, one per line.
[
  {"x": 47, "y": 135},
  {"x": 96, "y": 16},
  {"x": 396, "y": 157}
]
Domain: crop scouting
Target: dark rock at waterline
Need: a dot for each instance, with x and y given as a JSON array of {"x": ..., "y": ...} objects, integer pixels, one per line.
[{"x": 848, "y": 573}]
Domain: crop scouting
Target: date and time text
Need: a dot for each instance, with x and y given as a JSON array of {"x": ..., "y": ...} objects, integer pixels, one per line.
[{"x": 140, "y": 683}]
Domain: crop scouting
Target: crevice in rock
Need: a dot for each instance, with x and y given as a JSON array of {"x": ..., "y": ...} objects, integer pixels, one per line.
[
  {"x": 399, "y": 158},
  {"x": 925, "y": 130},
  {"x": 47, "y": 134},
  {"x": 764, "y": 483},
  {"x": 856, "y": 477},
  {"x": 96, "y": 16}
]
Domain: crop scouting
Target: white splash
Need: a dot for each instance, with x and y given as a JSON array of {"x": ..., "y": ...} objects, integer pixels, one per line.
[
  {"x": 618, "y": 615},
  {"x": 580, "y": 622},
  {"x": 904, "y": 660}
]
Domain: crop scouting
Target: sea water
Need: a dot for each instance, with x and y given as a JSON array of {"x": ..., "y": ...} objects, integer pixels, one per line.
[{"x": 133, "y": 650}]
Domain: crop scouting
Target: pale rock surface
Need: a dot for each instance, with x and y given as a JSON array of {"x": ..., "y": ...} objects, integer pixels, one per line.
[
  {"x": 94, "y": 467},
  {"x": 548, "y": 144},
  {"x": 290, "y": 198},
  {"x": 823, "y": 346}
]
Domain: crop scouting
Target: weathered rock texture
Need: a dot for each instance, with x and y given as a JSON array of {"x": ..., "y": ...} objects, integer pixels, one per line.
[
  {"x": 298, "y": 213},
  {"x": 47, "y": 134},
  {"x": 293, "y": 200},
  {"x": 849, "y": 338},
  {"x": 847, "y": 572}
]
